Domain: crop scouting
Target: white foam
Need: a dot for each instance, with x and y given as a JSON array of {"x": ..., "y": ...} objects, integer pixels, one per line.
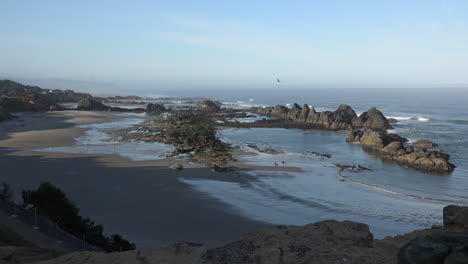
[
  {"x": 423, "y": 119},
  {"x": 400, "y": 117}
]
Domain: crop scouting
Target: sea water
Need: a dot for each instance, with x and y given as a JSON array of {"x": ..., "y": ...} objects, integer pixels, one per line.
[{"x": 392, "y": 199}]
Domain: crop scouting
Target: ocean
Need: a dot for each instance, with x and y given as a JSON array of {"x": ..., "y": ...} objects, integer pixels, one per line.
[{"x": 390, "y": 198}]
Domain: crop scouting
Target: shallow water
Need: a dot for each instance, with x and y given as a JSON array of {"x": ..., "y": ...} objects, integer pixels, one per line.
[
  {"x": 97, "y": 140},
  {"x": 391, "y": 198}
]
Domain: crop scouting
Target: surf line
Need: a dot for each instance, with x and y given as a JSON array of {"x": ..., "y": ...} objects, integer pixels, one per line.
[{"x": 346, "y": 178}]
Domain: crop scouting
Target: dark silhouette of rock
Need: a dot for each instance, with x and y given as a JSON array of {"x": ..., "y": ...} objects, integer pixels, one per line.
[
  {"x": 208, "y": 106},
  {"x": 440, "y": 248},
  {"x": 323, "y": 242},
  {"x": 154, "y": 107},
  {"x": 456, "y": 218},
  {"x": 91, "y": 105}
]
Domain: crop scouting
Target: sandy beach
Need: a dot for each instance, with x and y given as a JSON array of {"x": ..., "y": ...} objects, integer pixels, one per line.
[{"x": 143, "y": 200}]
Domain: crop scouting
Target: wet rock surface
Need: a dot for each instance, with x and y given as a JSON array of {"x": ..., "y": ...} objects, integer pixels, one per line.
[{"x": 390, "y": 147}]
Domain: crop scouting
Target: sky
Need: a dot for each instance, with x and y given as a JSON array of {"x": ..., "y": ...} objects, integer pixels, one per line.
[{"x": 183, "y": 44}]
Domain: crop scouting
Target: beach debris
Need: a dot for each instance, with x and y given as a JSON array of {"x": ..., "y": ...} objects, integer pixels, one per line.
[
  {"x": 177, "y": 166},
  {"x": 319, "y": 154},
  {"x": 352, "y": 168}
]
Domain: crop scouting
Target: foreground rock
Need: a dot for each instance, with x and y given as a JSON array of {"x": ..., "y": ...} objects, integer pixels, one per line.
[
  {"x": 456, "y": 218},
  {"x": 390, "y": 147},
  {"x": 323, "y": 242},
  {"x": 441, "y": 248},
  {"x": 341, "y": 119}
]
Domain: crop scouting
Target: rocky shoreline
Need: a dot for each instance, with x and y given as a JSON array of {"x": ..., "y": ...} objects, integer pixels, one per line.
[
  {"x": 327, "y": 241},
  {"x": 368, "y": 129}
]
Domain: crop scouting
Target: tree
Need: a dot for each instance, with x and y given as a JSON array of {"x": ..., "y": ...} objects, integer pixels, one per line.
[{"x": 53, "y": 203}]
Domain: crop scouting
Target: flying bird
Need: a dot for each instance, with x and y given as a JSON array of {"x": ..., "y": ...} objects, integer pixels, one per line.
[{"x": 277, "y": 80}]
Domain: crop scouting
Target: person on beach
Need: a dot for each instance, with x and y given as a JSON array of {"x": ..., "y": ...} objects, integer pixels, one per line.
[{"x": 276, "y": 164}]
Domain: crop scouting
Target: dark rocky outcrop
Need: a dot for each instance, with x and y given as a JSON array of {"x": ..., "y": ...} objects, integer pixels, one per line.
[
  {"x": 341, "y": 119},
  {"x": 424, "y": 143},
  {"x": 371, "y": 119},
  {"x": 390, "y": 147},
  {"x": 208, "y": 106},
  {"x": 293, "y": 244},
  {"x": 154, "y": 107},
  {"x": 280, "y": 111},
  {"x": 456, "y": 218},
  {"x": 440, "y": 248},
  {"x": 88, "y": 104},
  {"x": 323, "y": 242}
]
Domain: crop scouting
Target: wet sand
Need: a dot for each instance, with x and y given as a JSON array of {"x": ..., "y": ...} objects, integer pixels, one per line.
[{"x": 143, "y": 200}]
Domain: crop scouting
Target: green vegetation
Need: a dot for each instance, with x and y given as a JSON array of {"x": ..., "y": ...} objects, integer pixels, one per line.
[
  {"x": 53, "y": 203},
  {"x": 9, "y": 238},
  {"x": 17, "y": 90}
]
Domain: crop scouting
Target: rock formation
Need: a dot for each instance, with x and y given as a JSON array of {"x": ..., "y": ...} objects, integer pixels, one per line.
[
  {"x": 439, "y": 248},
  {"x": 154, "y": 107},
  {"x": 456, "y": 218},
  {"x": 89, "y": 104},
  {"x": 424, "y": 143},
  {"x": 373, "y": 118},
  {"x": 341, "y": 119},
  {"x": 208, "y": 106},
  {"x": 391, "y": 147}
]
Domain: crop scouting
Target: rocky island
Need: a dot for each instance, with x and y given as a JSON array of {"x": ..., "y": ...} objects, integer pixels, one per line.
[{"x": 368, "y": 129}]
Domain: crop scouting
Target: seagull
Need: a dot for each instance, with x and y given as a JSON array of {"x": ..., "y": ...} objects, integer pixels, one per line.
[{"x": 277, "y": 80}]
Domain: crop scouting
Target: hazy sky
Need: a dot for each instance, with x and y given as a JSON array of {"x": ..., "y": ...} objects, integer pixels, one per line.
[{"x": 249, "y": 43}]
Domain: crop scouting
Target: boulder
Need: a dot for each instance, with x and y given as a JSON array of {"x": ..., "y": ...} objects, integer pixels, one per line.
[
  {"x": 89, "y": 104},
  {"x": 208, "y": 106},
  {"x": 424, "y": 143},
  {"x": 456, "y": 218},
  {"x": 374, "y": 138},
  {"x": 178, "y": 166},
  {"x": 154, "y": 107},
  {"x": 438, "y": 248},
  {"x": 372, "y": 119},
  {"x": 280, "y": 111},
  {"x": 294, "y": 112},
  {"x": 393, "y": 148}
]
